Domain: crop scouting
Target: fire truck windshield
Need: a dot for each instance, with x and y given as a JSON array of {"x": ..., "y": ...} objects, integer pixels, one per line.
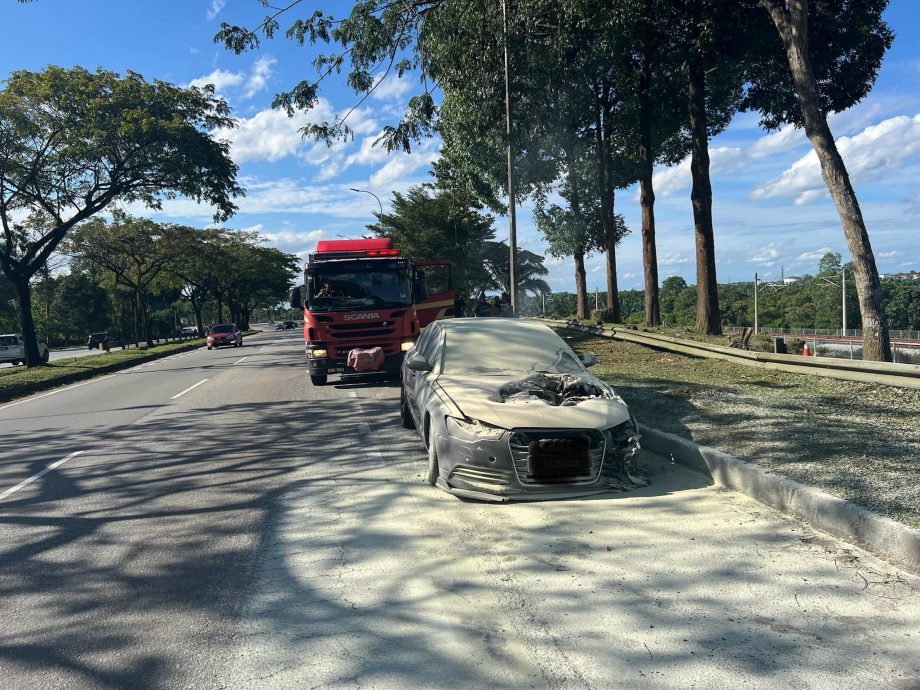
[{"x": 342, "y": 286}]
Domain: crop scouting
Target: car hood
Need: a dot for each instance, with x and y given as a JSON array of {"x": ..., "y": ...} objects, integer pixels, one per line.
[{"x": 546, "y": 401}]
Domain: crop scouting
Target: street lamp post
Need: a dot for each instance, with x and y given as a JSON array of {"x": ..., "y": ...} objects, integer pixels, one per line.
[{"x": 364, "y": 191}]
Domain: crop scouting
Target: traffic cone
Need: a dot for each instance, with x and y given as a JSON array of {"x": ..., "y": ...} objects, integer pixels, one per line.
[{"x": 805, "y": 351}]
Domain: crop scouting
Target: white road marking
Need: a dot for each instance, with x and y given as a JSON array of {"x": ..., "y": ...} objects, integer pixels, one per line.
[
  {"x": 56, "y": 390},
  {"x": 179, "y": 395},
  {"x": 38, "y": 475},
  {"x": 241, "y": 359},
  {"x": 352, "y": 394}
]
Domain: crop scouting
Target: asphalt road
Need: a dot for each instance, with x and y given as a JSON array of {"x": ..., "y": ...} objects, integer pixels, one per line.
[{"x": 218, "y": 522}]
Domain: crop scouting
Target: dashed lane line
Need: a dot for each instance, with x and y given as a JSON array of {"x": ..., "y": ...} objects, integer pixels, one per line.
[
  {"x": 179, "y": 395},
  {"x": 241, "y": 359},
  {"x": 39, "y": 475}
]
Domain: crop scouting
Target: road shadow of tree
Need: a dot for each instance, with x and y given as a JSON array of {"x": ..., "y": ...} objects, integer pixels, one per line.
[{"x": 270, "y": 542}]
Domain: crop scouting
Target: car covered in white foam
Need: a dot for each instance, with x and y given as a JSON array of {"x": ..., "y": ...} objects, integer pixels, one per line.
[{"x": 506, "y": 409}]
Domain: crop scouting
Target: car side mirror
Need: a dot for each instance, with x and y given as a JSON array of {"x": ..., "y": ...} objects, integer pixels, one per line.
[
  {"x": 589, "y": 359},
  {"x": 295, "y": 297},
  {"x": 416, "y": 362}
]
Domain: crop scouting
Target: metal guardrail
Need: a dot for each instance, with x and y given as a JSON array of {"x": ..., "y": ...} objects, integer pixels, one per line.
[
  {"x": 887, "y": 373},
  {"x": 850, "y": 332}
]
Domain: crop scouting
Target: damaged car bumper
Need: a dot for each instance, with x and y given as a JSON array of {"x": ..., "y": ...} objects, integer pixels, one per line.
[{"x": 530, "y": 464}]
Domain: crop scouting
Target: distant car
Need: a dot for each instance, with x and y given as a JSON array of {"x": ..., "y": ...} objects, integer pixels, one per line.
[
  {"x": 189, "y": 330},
  {"x": 97, "y": 340},
  {"x": 507, "y": 410},
  {"x": 224, "y": 334},
  {"x": 279, "y": 327},
  {"x": 288, "y": 325},
  {"x": 12, "y": 349}
]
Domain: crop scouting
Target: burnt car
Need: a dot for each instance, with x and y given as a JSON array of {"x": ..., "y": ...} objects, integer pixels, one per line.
[
  {"x": 224, "y": 334},
  {"x": 507, "y": 410}
]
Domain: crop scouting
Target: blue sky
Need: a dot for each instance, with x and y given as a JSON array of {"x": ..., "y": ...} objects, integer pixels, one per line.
[{"x": 771, "y": 209}]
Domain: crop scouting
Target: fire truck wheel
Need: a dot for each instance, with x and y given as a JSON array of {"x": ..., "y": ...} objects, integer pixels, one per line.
[
  {"x": 209, "y": 347},
  {"x": 433, "y": 470},
  {"x": 405, "y": 416},
  {"x": 318, "y": 380}
]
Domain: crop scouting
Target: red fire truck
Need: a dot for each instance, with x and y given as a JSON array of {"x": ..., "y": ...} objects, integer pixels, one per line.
[{"x": 363, "y": 294}]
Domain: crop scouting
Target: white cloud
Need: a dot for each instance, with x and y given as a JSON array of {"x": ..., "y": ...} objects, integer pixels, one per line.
[
  {"x": 668, "y": 181},
  {"x": 259, "y": 75},
  {"x": 390, "y": 88},
  {"x": 765, "y": 255},
  {"x": 369, "y": 154},
  {"x": 889, "y": 255},
  {"x": 876, "y": 150},
  {"x": 271, "y": 135},
  {"x": 673, "y": 260},
  {"x": 815, "y": 255},
  {"x": 215, "y": 8},
  {"x": 402, "y": 165},
  {"x": 221, "y": 79},
  {"x": 628, "y": 276}
]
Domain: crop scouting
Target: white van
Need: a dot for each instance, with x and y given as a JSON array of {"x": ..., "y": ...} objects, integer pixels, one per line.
[{"x": 13, "y": 351}]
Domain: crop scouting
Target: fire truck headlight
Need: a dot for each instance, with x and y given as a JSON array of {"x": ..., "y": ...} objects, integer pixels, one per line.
[
  {"x": 407, "y": 345},
  {"x": 316, "y": 354}
]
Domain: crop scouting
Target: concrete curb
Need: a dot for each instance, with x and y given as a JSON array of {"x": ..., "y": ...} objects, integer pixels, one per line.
[{"x": 883, "y": 536}]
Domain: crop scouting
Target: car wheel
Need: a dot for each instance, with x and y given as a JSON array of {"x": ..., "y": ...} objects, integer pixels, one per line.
[
  {"x": 433, "y": 469},
  {"x": 318, "y": 380},
  {"x": 46, "y": 357},
  {"x": 209, "y": 347},
  {"x": 15, "y": 363},
  {"x": 241, "y": 343},
  {"x": 405, "y": 414}
]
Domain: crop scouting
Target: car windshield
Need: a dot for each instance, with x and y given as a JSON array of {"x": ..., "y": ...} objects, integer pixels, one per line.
[
  {"x": 499, "y": 352},
  {"x": 222, "y": 329},
  {"x": 342, "y": 286}
]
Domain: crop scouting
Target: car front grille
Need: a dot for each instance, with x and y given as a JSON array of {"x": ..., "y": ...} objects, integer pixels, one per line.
[
  {"x": 355, "y": 331},
  {"x": 524, "y": 444}
]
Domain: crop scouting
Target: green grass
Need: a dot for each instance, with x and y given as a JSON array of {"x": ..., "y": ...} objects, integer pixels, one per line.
[
  {"x": 17, "y": 382},
  {"x": 856, "y": 440}
]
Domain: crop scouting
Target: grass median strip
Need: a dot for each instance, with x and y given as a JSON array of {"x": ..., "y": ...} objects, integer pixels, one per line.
[
  {"x": 858, "y": 441},
  {"x": 19, "y": 381}
]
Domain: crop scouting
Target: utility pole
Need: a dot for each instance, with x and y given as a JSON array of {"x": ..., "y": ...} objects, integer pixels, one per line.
[
  {"x": 756, "y": 283},
  {"x": 512, "y": 224}
]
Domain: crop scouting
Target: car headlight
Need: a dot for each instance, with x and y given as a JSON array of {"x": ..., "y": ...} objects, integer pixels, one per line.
[
  {"x": 473, "y": 430},
  {"x": 407, "y": 345}
]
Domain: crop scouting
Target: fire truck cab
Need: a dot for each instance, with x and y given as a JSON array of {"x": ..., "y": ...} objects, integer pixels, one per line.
[{"x": 363, "y": 294}]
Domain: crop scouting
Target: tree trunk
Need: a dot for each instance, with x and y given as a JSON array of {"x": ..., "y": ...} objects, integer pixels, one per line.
[
  {"x": 145, "y": 319},
  {"x": 196, "y": 307},
  {"x": 647, "y": 195},
  {"x": 608, "y": 221},
  {"x": 708, "y": 319},
  {"x": 793, "y": 29},
  {"x": 581, "y": 285},
  {"x": 26, "y": 321}
]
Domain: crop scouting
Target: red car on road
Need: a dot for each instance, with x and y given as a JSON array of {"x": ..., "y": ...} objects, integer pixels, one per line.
[{"x": 224, "y": 334}]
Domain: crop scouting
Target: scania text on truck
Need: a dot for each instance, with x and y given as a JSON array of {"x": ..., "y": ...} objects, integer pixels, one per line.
[{"x": 363, "y": 294}]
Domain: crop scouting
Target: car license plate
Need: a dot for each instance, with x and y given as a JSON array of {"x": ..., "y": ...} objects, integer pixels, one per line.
[{"x": 559, "y": 456}]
